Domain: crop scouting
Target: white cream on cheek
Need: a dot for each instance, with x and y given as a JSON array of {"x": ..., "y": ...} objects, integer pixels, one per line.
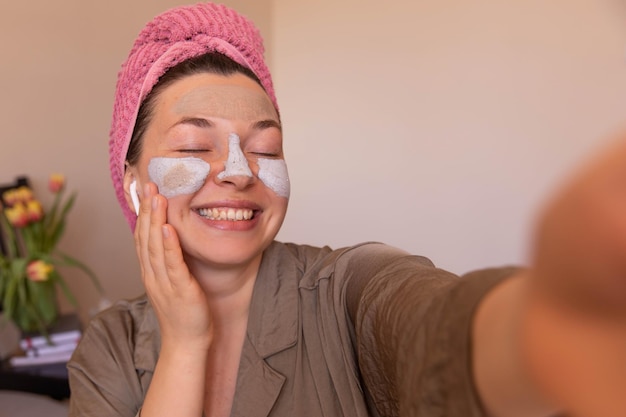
[
  {"x": 176, "y": 176},
  {"x": 273, "y": 173},
  {"x": 236, "y": 164}
]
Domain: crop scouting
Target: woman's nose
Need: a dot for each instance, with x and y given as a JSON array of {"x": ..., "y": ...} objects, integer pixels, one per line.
[{"x": 236, "y": 169}]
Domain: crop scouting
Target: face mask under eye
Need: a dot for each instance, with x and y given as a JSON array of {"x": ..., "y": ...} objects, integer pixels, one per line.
[
  {"x": 176, "y": 176},
  {"x": 273, "y": 173}
]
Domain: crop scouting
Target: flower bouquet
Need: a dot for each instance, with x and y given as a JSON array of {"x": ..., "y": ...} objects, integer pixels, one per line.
[{"x": 29, "y": 261}]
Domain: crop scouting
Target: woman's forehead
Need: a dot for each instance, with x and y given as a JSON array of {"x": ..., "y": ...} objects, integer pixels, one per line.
[{"x": 233, "y": 97}]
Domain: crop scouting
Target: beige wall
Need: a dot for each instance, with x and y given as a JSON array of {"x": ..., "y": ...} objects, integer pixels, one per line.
[
  {"x": 439, "y": 125},
  {"x": 433, "y": 125}
]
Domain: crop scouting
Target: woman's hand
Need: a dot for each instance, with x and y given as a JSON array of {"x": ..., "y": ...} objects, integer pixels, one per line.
[
  {"x": 179, "y": 302},
  {"x": 575, "y": 327},
  {"x": 177, "y": 386}
]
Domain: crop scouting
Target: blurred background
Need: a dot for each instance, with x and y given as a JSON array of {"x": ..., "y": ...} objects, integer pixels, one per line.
[{"x": 437, "y": 126}]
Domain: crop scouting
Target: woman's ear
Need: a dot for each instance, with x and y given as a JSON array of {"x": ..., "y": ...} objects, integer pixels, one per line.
[{"x": 130, "y": 190}]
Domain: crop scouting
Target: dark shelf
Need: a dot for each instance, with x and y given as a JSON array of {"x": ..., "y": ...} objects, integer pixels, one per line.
[
  {"x": 50, "y": 380},
  {"x": 46, "y": 379}
]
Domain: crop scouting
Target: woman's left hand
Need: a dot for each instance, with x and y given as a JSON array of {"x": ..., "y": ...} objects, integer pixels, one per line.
[{"x": 575, "y": 326}]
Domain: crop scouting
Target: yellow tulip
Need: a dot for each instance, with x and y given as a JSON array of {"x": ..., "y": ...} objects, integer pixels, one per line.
[
  {"x": 34, "y": 210},
  {"x": 24, "y": 194},
  {"x": 39, "y": 270},
  {"x": 10, "y": 197},
  {"x": 17, "y": 215}
]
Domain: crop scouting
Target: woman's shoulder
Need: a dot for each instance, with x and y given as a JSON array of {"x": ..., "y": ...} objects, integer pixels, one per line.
[
  {"x": 310, "y": 253},
  {"x": 123, "y": 313},
  {"x": 126, "y": 320},
  {"x": 126, "y": 329},
  {"x": 370, "y": 250},
  {"x": 362, "y": 259}
]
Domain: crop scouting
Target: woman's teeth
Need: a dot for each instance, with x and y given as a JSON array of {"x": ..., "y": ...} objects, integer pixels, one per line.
[{"x": 226, "y": 214}]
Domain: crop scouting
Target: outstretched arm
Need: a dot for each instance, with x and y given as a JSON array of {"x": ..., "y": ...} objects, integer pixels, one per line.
[{"x": 554, "y": 338}]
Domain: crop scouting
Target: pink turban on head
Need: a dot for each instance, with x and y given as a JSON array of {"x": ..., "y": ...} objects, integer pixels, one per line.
[{"x": 169, "y": 39}]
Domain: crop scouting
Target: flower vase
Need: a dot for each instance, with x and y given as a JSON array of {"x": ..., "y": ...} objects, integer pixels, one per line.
[
  {"x": 29, "y": 259},
  {"x": 40, "y": 310}
]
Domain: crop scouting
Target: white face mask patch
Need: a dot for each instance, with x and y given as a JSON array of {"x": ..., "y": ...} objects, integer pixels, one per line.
[
  {"x": 176, "y": 176},
  {"x": 236, "y": 164},
  {"x": 273, "y": 173}
]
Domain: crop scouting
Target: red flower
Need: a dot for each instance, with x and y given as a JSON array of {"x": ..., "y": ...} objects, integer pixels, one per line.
[{"x": 56, "y": 182}]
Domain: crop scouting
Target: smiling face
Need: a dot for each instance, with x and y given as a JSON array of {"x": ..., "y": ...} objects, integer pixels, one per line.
[{"x": 237, "y": 203}]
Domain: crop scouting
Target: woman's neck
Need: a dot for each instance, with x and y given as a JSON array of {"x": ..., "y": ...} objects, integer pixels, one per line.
[{"x": 228, "y": 290}]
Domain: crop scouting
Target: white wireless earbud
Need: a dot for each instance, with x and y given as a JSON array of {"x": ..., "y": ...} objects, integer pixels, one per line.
[{"x": 134, "y": 196}]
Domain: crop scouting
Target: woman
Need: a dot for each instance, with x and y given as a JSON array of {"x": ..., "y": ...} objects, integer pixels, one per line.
[{"x": 235, "y": 323}]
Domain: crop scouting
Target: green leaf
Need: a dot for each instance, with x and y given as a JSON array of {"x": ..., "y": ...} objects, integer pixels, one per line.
[
  {"x": 30, "y": 241},
  {"x": 4, "y": 276},
  {"x": 68, "y": 205},
  {"x": 37, "y": 236},
  {"x": 54, "y": 222},
  {"x": 31, "y": 317},
  {"x": 11, "y": 241},
  {"x": 50, "y": 217},
  {"x": 43, "y": 300},
  {"x": 10, "y": 296},
  {"x": 69, "y": 261},
  {"x": 55, "y": 236},
  {"x": 66, "y": 290},
  {"x": 18, "y": 267}
]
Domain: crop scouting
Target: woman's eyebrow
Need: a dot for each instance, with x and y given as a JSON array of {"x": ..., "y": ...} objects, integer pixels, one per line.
[
  {"x": 194, "y": 121},
  {"x": 205, "y": 123},
  {"x": 266, "y": 124}
]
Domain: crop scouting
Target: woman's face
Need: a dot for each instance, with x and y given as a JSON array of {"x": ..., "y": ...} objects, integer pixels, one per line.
[{"x": 228, "y": 127}]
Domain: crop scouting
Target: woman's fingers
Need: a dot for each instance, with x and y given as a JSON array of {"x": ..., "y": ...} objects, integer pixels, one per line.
[
  {"x": 178, "y": 300},
  {"x": 142, "y": 232},
  {"x": 173, "y": 262},
  {"x": 158, "y": 218},
  {"x": 157, "y": 244}
]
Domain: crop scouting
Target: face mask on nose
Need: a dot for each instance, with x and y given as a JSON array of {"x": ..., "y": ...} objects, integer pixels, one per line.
[{"x": 236, "y": 164}]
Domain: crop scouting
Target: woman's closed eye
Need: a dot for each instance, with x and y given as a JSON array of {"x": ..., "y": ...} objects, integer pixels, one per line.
[
  {"x": 264, "y": 154},
  {"x": 194, "y": 150}
]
